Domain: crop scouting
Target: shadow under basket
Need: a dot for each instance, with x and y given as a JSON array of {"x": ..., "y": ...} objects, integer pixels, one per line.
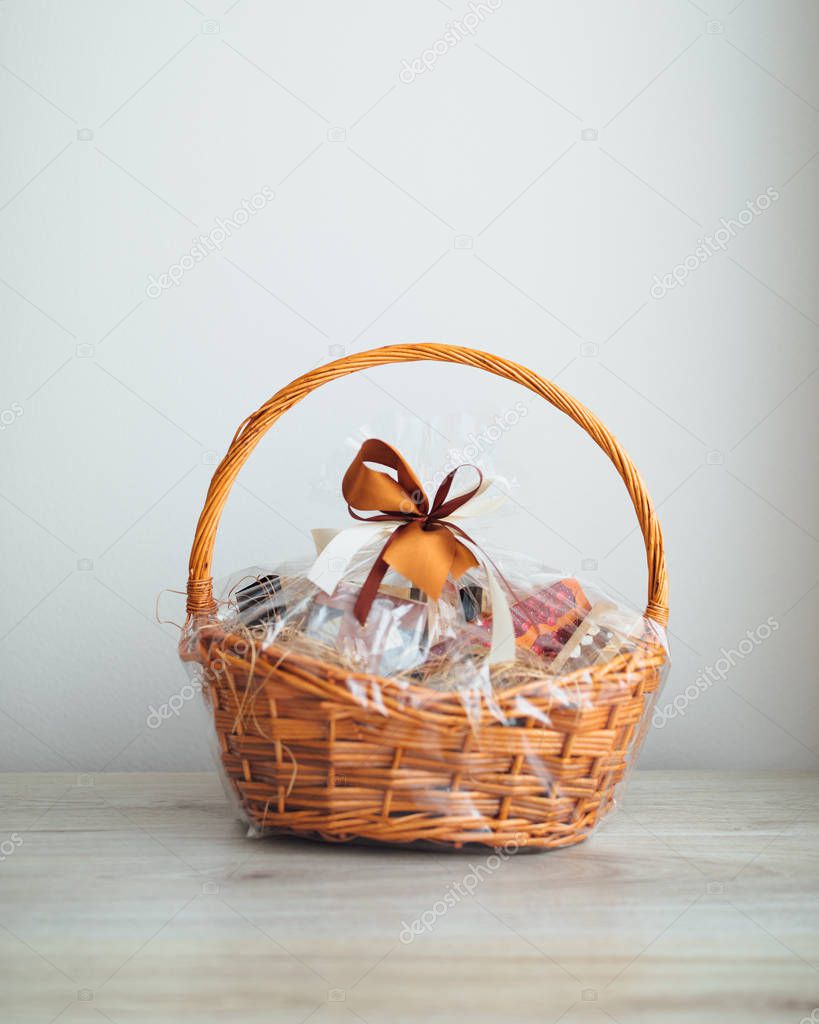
[{"x": 306, "y": 754}]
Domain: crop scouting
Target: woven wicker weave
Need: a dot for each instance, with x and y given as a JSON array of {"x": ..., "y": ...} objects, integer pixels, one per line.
[{"x": 306, "y": 756}]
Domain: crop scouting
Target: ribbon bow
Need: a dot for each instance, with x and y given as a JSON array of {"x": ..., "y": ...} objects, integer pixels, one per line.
[{"x": 425, "y": 546}]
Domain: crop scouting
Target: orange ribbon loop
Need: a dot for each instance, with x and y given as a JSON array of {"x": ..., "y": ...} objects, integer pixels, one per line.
[{"x": 423, "y": 548}]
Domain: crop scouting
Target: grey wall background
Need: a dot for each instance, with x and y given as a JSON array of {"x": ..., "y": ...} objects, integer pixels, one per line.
[{"x": 520, "y": 196}]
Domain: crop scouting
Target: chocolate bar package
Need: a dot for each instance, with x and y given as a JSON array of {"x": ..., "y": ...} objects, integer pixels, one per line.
[
  {"x": 604, "y": 632},
  {"x": 545, "y": 621}
]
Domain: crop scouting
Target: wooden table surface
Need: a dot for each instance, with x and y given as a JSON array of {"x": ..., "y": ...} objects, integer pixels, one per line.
[{"x": 137, "y": 898}]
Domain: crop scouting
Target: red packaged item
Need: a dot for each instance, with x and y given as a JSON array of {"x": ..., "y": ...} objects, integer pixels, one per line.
[{"x": 545, "y": 621}]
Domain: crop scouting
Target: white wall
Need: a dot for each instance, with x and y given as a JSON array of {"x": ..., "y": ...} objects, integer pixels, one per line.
[{"x": 579, "y": 148}]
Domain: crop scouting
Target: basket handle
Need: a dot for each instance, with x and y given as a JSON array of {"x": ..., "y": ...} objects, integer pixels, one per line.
[{"x": 250, "y": 432}]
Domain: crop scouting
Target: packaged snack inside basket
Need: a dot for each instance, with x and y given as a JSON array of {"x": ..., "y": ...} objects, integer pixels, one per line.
[{"x": 406, "y": 683}]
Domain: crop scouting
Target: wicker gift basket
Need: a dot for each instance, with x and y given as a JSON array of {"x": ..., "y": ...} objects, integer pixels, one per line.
[{"x": 304, "y": 755}]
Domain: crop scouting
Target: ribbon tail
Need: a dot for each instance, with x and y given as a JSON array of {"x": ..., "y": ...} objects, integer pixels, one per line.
[
  {"x": 422, "y": 555},
  {"x": 369, "y": 589},
  {"x": 366, "y": 595},
  {"x": 503, "y": 631}
]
